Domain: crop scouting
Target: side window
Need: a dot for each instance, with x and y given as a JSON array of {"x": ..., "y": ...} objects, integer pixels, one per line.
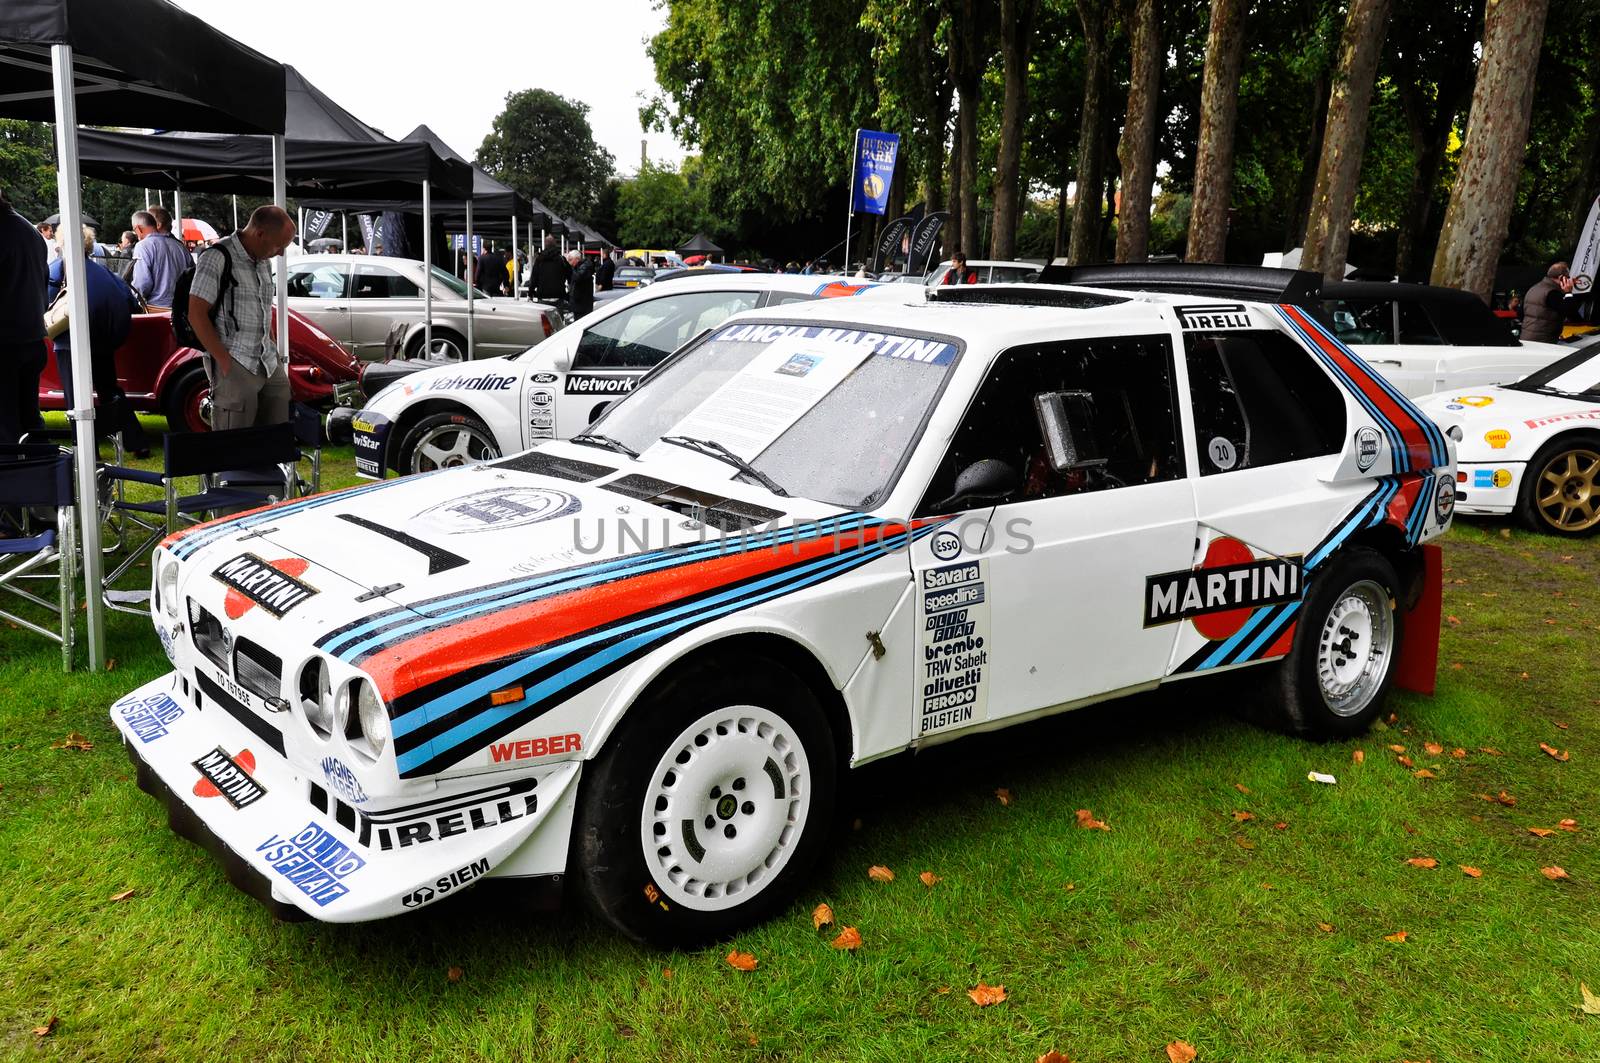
[
  {"x": 376, "y": 282},
  {"x": 1415, "y": 325},
  {"x": 784, "y": 298},
  {"x": 317, "y": 282},
  {"x": 642, "y": 335},
  {"x": 1259, "y": 399},
  {"x": 1133, "y": 407},
  {"x": 1362, "y": 320}
]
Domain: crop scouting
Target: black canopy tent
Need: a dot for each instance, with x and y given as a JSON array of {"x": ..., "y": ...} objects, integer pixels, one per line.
[
  {"x": 132, "y": 62},
  {"x": 588, "y": 234},
  {"x": 700, "y": 244}
]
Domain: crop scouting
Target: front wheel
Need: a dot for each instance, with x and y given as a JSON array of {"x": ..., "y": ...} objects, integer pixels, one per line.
[
  {"x": 446, "y": 347},
  {"x": 1561, "y": 489},
  {"x": 447, "y": 441},
  {"x": 1346, "y": 646},
  {"x": 185, "y": 401},
  {"x": 706, "y": 809}
]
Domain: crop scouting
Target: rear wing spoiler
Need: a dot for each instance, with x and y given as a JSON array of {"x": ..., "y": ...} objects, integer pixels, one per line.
[{"x": 1217, "y": 280}]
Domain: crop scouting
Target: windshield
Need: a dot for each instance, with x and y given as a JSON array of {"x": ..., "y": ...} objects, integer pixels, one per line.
[
  {"x": 455, "y": 284},
  {"x": 829, "y": 413},
  {"x": 1577, "y": 374}
]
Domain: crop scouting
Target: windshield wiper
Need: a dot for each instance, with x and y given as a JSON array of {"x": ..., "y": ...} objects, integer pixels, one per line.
[
  {"x": 593, "y": 439},
  {"x": 711, "y": 448}
]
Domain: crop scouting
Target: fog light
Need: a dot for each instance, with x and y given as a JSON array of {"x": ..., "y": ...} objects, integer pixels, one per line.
[
  {"x": 316, "y": 697},
  {"x": 374, "y": 717},
  {"x": 167, "y": 584}
]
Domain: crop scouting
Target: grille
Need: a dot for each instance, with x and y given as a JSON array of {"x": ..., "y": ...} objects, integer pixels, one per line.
[
  {"x": 543, "y": 464},
  {"x": 209, "y": 638},
  {"x": 737, "y": 516},
  {"x": 258, "y": 671},
  {"x": 636, "y": 486}
]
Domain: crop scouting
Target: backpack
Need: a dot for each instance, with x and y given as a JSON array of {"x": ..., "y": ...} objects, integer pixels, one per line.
[{"x": 181, "y": 328}]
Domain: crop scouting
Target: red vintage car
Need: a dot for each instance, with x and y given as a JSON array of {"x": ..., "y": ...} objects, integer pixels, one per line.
[{"x": 161, "y": 377}]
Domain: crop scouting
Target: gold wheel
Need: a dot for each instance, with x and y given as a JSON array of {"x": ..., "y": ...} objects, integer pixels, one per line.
[{"x": 1567, "y": 491}]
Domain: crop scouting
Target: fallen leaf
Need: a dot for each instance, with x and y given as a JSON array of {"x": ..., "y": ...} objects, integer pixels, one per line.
[
  {"x": 1568, "y": 824},
  {"x": 1471, "y": 872},
  {"x": 1326, "y": 928},
  {"x": 928, "y": 879},
  {"x": 1561, "y": 725},
  {"x": 1181, "y": 1052},
  {"x": 1524, "y": 675},
  {"x": 1424, "y": 773},
  {"x": 666, "y": 972},
  {"x": 1458, "y": 753},
  {"x": 742, "y": 961},
  {"x": 1244, "y": 843},
  {"x": 821, "y": 916},
  {"x": 1433, "y": 749},
  {"x": 1398, "y": 935},
  {"x": 124, "y": 895},
  {"x": 1553, "y": 872},
  {"x": 1506, "y": 799},
  {"x": 1241, "y": 787},
  {"x": 454, "y": 974},
  {"x": 1453, "y": 620},
  {"x": 1359, "y": 757},
  {"x": 1268, "y": 886},
  {"x": 1405, "y": 761},
  {"x": 1489, "y": 750},
  {"x": 942, "y": 990},
  {"x": 1540, "y": 832},
  {"x": 1280, "y": 825},
  {"x": 47, "y": 1028},
  {"x": 111, "y": 664},
  {"x": 1003, "y": 796},
  {"x": 984, "y": 995},
  {"x": 1591, "y": 1003},
  {"x": 1558, "y": 754},
  {"x": 1240, "y": 817},
  {"x": 1397, "y": 749},
  {"x": 74, "y": 740},
  {"x": 1053, "y": 1056},
  {"x": 1087, "y": 821},
  {"x": 1069, "y": 887},
  {"x": 1394, "y": 717},
  {"x": 1456, "y": 666},
  {"x": 849, "y": 939},
  {"x": 879, "y": 873},
  {"x": 1423, "y": 861}
]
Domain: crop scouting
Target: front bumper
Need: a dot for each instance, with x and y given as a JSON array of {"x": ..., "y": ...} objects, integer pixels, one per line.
[
  {"x": 297, "y": 844},
  {"x": 1488, "y": 488}
]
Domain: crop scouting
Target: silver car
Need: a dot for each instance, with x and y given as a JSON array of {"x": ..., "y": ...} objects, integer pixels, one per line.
[{"x": 360, "y": 299}]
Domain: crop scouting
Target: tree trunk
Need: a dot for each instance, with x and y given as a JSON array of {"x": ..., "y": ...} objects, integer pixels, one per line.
[
  {"x": 967, "y": 55},
  {"x": 1294, "y": 223},
  {"x": 1094, "y": 14},
  {"x": 936, "y": 90},
  {"x": 1344, "y": 140},
  {"x": 1219, "y": 114},
  {"x": 1016, "y": 43},
  {"x": 1061, "y": 219},
  {"x": 952, "y": 228},
  {"x": 1137, "y": 151},
  {"x": 1475, "y": 223}
]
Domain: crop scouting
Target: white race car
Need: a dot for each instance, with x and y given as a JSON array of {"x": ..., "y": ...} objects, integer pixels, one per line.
[
  {"x": 817, "y": 537},
  {"x": 1532, "y": 448},
  {"x": 467, "y": 412}
]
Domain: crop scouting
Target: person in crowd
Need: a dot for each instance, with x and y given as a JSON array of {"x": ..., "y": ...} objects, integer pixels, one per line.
[
  {"x": 126, "y": 244},
  {"x": 47, "y": 233},
  {"x": 513, "y": 260},
  {"x": 248, "y": 371},
  {"x": 959, "y": 272},
  {"x": 492, "y": 272},
  {"x": 605, "y": 276},
  {"x": 550, "y": 273},
  {"x": 111, "y": 309},
  {"x": 582, "y": 283},
  {"x": 1544, "y": 308},
  {"x": 24, "y": 274},
  {"x": 158, "y": 259}
]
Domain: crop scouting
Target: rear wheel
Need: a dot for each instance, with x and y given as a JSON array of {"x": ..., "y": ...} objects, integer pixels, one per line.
[
  {"x": 447, "y": 441},
  {"x": 184, "y": 400},
  {"x": 1561, "y": 489},
  {"x": 446, "y": 347},
  {"x": 706, "y": 809}
]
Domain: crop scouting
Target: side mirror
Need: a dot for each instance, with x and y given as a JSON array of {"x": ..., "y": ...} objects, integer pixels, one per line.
[
  {"x": 985, "y": 480},
  {"x": 1066, "y": 420}
]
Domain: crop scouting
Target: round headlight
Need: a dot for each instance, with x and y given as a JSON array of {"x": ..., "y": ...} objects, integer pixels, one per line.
[
  {"x": 167, "y": 584},
  {"x": 374, "y": 717},
  {"x": 316, "y": 697}
]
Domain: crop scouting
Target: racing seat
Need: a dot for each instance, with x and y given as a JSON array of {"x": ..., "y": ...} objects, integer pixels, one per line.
[
  {"x": 32, "y": 550},
  {"x": 262, "y": 458}
]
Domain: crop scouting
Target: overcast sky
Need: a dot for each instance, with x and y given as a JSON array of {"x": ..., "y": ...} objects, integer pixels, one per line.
[{"x": 395, "y": 65}]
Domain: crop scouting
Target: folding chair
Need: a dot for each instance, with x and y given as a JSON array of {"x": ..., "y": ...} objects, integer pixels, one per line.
[
  {"x": 39, "y": 475},
  {"x": 309, "y": 437},
  {"x": 261, "y": 459}
]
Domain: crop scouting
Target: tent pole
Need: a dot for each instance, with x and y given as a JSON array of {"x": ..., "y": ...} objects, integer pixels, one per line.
[
  {"x": 235, "y": 213},
  {"x": 280, "y": 181},
  {"x": 147, "y": 199},
  {"x": 516, "y": 267},
  {"x": 344, "y": 232},
  {"x": 300, "y": 228},
  {"x": 85, "y": 456},
  {"x": 427, "y": 268},
  {"x": 177, "y": 213},
  {"x": 471, "y": 262}
]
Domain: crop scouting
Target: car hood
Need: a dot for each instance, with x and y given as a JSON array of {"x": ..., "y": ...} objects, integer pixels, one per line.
[{"x": 1491, "y": 417}]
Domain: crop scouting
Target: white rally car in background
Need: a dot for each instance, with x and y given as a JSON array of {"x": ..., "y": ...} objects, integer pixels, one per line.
[
  {"x": 458, "y": 414},
  {"x": 1531, "y": 449},
  {"x": 818, "y": 536}
]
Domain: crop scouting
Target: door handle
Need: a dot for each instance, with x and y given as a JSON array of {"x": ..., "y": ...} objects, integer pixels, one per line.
[{"x": 1387, "y": 361}]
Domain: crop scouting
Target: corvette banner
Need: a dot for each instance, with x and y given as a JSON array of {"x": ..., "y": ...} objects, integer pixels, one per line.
[{"x": 1586, "y": 260}]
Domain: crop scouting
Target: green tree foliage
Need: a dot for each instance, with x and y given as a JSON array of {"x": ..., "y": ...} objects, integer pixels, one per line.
[
  {"x": 541, "y": 145},
  {"x": 663, "y": 206},
  {"x": 27, "y": 168}
]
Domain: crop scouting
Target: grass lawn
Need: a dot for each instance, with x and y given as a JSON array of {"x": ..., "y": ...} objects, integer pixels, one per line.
[{"x": 1250, "y": 938}]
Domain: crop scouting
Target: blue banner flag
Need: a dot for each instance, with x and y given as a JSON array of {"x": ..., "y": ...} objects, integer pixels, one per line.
[{"x": 874, "y": 170}]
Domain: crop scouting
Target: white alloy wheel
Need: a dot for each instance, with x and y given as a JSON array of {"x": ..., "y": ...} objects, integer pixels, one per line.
[
  {"x": 1354, "y": 647},
  {"x": 449, "y": 446},
  {"x": 725, "y": 807}
]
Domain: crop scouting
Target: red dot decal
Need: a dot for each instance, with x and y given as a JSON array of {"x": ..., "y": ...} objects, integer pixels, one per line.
[{"x": 1219, "y": 554}]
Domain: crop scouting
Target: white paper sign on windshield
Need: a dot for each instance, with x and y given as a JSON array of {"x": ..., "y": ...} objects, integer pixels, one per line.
[{"x": 773, "y": 391}]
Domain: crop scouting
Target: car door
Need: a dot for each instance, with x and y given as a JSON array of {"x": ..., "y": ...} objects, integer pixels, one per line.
[
  {"x": 380, "y": 296},
  {"x": 1037, "y": 600},
  {"x": 612, "y": 354},
  {"x": 320, "y": 291}
]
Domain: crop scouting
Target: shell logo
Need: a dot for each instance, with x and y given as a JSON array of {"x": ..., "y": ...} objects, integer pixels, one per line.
[
  {"x": 1498, "y": 438},
  {"x": 1479, "y": 401}
]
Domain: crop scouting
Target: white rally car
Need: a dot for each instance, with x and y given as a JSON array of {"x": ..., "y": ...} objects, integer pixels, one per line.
[
  {"x": 1531, "y": 449},
  {"x": 466, "y": 412},
  {"x": 817, "y": 537}
]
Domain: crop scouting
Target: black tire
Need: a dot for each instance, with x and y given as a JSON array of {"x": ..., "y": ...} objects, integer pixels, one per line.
[
  {"x": 1577, "y": 494},
  {"x": 478, "y": 443},
  {"x": 181, "y": 400},
  {"x": 632, "y": 789},
  {"x": 414, "y": 346},
  {"x": 1305, "y": 697}
]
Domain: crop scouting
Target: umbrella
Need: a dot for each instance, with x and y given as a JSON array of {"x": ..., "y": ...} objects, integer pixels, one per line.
[
  {"x": 325, "y": 243},
  {"x": 54, "y": 221},
  {"x": 197, "y": 230}
]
